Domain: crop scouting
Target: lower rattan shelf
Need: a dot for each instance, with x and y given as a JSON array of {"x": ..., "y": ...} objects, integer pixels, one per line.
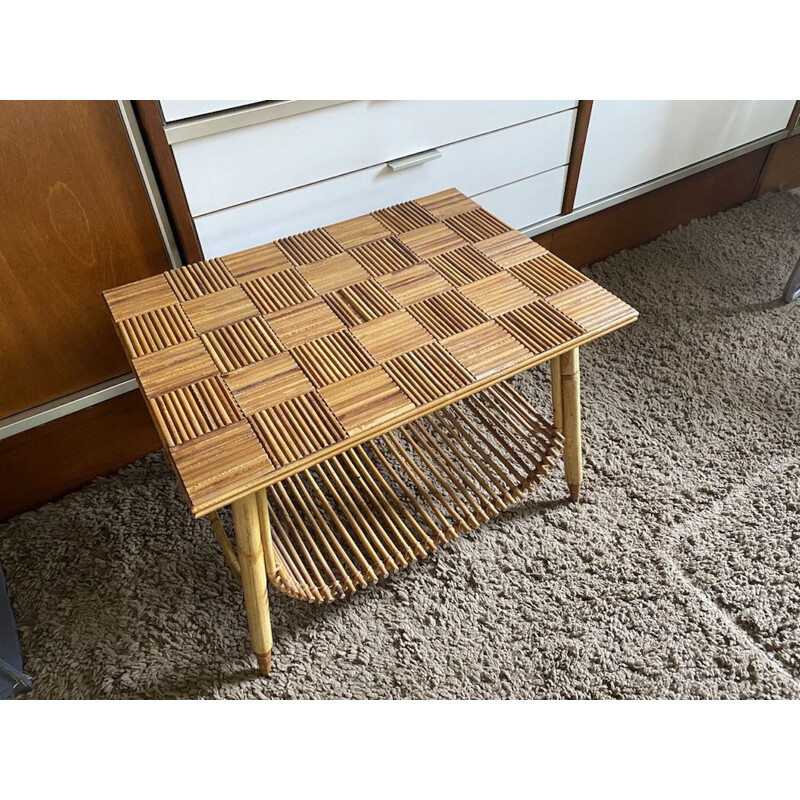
[{"x": 380, "y": 506}]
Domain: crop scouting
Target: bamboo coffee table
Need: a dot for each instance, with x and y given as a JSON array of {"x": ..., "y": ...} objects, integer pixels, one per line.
[{"x": 343, "y": 390}]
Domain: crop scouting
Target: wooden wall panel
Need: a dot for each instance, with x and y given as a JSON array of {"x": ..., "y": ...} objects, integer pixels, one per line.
[
  {"x": 75, "y": 220},
  {"x": 46, "y": 462},
  {"x": 782, "y": 170},
  {"x": 579, "y": 134}
]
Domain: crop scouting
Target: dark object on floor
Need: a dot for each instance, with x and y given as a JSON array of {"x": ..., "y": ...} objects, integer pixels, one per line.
[
  {"x": 792, "y": 290},
  {"x": 13, "y": 680}
]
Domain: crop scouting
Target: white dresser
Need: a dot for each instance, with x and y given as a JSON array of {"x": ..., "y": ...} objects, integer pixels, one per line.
[
  {"x": 632, "y": 142},
  {"x": 256, "y": 182},
  {"x": 253, "y": 171}
]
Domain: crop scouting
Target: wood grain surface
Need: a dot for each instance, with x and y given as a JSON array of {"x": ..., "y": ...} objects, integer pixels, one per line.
[{"x": 75, "y": 220}]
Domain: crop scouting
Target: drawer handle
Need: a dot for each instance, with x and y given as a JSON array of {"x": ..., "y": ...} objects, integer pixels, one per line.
[{"x": 414, "y": 160}]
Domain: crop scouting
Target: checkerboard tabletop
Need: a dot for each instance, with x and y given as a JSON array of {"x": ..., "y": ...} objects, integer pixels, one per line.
[{"x": 259, "y": 364}]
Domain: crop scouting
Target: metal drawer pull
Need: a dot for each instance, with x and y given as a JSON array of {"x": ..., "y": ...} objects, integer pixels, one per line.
[{"x": 413, "y": 160}]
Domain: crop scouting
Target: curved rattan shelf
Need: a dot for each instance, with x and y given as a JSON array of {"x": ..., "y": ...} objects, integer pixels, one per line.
[{"x": 380, "y": 506}]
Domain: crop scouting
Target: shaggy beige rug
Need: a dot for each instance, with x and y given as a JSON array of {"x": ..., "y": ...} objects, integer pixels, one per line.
[{"x": 677, "y": 576}]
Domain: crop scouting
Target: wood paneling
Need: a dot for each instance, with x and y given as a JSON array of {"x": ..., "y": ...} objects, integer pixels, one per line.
[
  {"x": 46, "y": 462},
  {"x": 576, "y": 154},
  {"x": 782, "y": 170},
  {"x": 75, "y": 220},
  {"x": 152, "y": 125},
  {"x": 643, "y": 218},
  {"x": 794, "y": 119}
]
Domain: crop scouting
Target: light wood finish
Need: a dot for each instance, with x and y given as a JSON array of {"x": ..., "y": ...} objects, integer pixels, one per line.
[
  {"x": 76, "y": 219},
  {"x": 349, "y": 402},
  {"x": 247, "y": 524},
  {"x": 367, "y": 512},
  {"x": 571, "y": 419},
  {"x": 304, "y": 348},
  {"x": 555, "y": 386},
  {"x": 225, "y": 545}
]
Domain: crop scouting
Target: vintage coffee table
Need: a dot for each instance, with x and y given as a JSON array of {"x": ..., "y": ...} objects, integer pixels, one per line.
[{"x": 343, "y": 390}]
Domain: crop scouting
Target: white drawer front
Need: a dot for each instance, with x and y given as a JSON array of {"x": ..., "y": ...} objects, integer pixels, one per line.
[
  {"x": 183, "y": 109},
  {"x": 529, "y": 201},
  {"x": 238, "y": 166},
  {"x": 633, "y": 141},
  {"x": 473, "y": 166}
]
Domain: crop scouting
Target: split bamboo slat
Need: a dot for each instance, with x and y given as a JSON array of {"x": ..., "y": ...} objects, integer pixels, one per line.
[
  {"x": 262, "y": 365},
  {"x": 369, "y": 511}
]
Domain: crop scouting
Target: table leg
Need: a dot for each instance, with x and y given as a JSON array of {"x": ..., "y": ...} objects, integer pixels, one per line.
[
  {"x": 254, "y": 577},
  {"x": 571, "y": 420},
  {"x": 555, "y": 385}
]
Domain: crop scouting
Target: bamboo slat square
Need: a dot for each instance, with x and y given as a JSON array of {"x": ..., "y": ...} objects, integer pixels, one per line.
[
  {"x": 487, "y": 350},
  {"x": 446, "y": 204},
  {"x": 154, "y": 330},
  {"x": 334, "y": 273},
  {"x": 230, "y": 458},
  {"x": 220, "y": 308},
  {"x": 168, "y": 369},
  {"x": 304, "y": 322},
  {"x": 404, "y": 217},
  {"x": 278, "y": 290},
  {"x": 267, "y": 383},
  {"x": 353, "y": 232},
  {"x": 392, "y": 335},
  {"x": 498, "y": 293},
  {"x": 259, "y": 363},
  {"x": 361, "y": 302},
  {"x": 477, "y": 225},
  {"x": 235, "y": 346},
  {"x": 412, "y": 284},
  {"x": 591, "y": 307},
  {"x": 547, "y": 274},
  {"x": 202, "y": 278},
  {"x": 139, "y": 297},
  {"x": 262, "y": 260},
  {"x": 359, "y": 400},
  {"x": 432, "y": 240},
  {"x": 509, "y": 249},
  {"x": 332, "y": 358}
]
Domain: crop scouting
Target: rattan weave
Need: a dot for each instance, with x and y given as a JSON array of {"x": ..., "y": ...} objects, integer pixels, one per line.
[{"x": 260, "y": 364}]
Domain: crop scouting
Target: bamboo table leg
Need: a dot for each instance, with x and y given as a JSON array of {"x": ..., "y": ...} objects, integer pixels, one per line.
[
  {"x": 570, "y": 391},
  {"x": 555, "y": 384},
  {"x": 254, "y": 577}
]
